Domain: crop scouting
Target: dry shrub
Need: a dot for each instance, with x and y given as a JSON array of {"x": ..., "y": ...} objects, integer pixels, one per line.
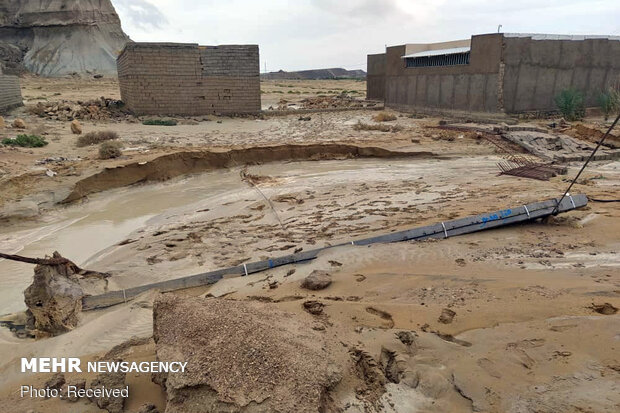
[
  {"x": 93, "y": 138},
  {"x": 110, "y": 150},
  {"x": 379, "y": 127},
  {"x": 383, "y": 117}
]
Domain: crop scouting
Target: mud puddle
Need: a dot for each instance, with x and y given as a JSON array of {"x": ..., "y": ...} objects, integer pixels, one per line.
[{"x": 81, "y": 231}]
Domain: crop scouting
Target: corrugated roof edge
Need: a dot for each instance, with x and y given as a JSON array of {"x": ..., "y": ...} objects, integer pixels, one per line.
[{"x": 440, "y": 52}]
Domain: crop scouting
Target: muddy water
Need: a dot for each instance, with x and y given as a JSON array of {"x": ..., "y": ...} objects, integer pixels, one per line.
[{"x": 81, "y": 232}]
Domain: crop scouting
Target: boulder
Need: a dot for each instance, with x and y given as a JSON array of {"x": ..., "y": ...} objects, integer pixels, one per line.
[
  {"x": 317, "y": 280},
  {"x": 19, "y": 124},
  {"x": 242, "y": 357},
  {"x": 76, "y": 127},
  {"x": 54, "y": 299}
]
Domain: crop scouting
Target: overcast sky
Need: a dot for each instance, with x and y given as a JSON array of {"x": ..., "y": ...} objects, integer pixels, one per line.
[{"x": 313, "y": 34}]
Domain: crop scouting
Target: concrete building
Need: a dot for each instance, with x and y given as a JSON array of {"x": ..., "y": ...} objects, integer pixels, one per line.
[
  {"x": 188, "y": 79},
  {"x": 10, "y": 92},
  {"x": 498, "y": 72}
]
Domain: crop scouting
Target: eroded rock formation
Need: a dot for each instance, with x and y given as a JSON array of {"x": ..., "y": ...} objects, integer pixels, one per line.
[{"x": 60, "y": 37}]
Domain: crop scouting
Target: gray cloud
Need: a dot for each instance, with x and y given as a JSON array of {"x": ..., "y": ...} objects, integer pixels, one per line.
[
  {"x": 358, "y": 8},
  {"x": 304, "y": 34},
  {"x": 140, "y": 13}
]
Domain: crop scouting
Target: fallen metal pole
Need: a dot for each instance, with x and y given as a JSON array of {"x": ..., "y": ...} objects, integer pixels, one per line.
[{"x": 440, "y": 230}]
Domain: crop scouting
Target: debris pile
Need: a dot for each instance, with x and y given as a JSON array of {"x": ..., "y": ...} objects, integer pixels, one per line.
[
  {"x": 327, "y": 102},
  {"x": 524, "y": 167},
  {"x": 559, "y": 147},
  {"x": 98, "y": 109},
  {"x": 593, "y": 135}
]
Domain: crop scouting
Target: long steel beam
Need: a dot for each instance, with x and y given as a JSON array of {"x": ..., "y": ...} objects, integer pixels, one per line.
[{"x": 439, "y": 230}]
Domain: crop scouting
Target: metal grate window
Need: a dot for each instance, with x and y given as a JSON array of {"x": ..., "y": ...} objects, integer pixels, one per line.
[{"x": 439, "y": 60}]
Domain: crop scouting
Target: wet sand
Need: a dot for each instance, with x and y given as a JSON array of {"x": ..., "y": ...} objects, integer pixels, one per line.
[{"x": 525, "y": 334}]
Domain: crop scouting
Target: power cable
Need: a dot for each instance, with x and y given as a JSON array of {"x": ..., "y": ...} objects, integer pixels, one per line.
[{"x": 613, "y": 125}]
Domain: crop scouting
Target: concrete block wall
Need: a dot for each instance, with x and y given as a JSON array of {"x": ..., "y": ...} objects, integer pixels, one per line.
[
  {"x": 507, "y": 73},
  {"x": 474, "y": 87},
  {"x": 10, "y": 92},
  {"x": 537, "y": 70},
  {"x": 187, "y": 79},
  {"x": 375, "y": 76}
]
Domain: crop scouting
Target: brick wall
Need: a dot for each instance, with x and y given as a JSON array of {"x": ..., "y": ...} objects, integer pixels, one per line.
[
  {"x": 187, "y": 79},
  {"x": 10, "y": 92}
]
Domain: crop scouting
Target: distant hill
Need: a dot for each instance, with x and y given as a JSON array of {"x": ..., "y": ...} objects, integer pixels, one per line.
[{"x": 333, "y": 73}]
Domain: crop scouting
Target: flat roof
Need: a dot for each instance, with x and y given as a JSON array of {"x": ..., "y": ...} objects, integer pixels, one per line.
[
  {"x": 543, "y": 36},
  {"x": 439, "y": 52}
]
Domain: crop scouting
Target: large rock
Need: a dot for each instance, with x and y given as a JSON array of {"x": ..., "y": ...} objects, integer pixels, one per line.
[
  {"x": 317, "y": 280},
  {"x": 54, "y": 299},
  {"x": 60, "y": 37},
  {"x": 19, "y": 123},
  {"x": 242, "y": 357},
  {"x": 76, "y": 127}
]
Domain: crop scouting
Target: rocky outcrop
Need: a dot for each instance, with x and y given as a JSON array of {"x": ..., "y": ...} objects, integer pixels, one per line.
[
  {"x": 242, "y": 357},
  {"x": 60, "y": 37}
]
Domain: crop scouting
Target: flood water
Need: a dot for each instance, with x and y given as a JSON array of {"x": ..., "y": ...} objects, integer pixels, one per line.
[{"x": 80, "y": 232}]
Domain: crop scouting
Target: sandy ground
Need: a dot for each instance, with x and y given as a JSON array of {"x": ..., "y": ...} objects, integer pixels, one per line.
[{"x": 525, "y": 336}]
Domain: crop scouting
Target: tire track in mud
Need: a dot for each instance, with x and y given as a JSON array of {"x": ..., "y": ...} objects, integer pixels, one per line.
[{"x": 190, "y": 162}]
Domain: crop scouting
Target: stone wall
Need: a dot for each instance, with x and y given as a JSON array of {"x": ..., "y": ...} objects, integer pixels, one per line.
[
  {"x": 10, "y": 92},
  {"x": 375, "y": 77},
  {"x": 187, "y": 79}
]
